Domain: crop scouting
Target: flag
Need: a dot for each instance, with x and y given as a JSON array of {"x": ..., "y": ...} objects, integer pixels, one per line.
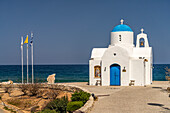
[
  {"x": 26, "y": 40},
  {"x": 31, "y": 41},
  {"x": 21, "y": 41}
]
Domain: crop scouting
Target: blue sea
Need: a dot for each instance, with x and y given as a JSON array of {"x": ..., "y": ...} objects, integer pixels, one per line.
[{"x": 64, "y": 73}]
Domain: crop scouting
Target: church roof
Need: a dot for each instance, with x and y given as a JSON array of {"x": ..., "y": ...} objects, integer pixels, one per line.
[
  {"x": 98, "y": 52},
  {"x": 122, "y": 27}
]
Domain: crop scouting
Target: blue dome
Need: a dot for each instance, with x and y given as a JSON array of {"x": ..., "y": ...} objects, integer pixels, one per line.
[{"x": 122, "y": 27}]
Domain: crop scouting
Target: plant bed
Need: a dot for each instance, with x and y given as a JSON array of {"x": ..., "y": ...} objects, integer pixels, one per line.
[{"x": 27, "y": 99}]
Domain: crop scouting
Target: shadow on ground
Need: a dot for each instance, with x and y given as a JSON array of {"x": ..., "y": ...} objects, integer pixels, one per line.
[
  {"x": 157, "y": 87},
  {"x": 159, "y": 105}
]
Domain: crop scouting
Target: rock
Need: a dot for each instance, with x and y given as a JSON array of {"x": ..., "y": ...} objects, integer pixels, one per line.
[
  {"x": 51, "y": 79},
  {"x": 9, "y": 82}
]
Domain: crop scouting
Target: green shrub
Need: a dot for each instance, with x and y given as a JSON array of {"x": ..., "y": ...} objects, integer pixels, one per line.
[
  {"x": 72, "y": 106},
  {"x": 59, "y": 105},
  {"x": 80, "y": 96},
  {"x": 47, "y": 111}
]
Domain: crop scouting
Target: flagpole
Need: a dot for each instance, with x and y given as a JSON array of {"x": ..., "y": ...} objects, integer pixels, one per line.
[
  {"x": 27, "y": 64},
  {"x": 22, "y": 59},
  {"x": 32, "y": 58}
]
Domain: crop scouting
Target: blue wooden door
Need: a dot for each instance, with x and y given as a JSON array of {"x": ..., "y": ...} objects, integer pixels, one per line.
[{"x": 115, "y": 75}]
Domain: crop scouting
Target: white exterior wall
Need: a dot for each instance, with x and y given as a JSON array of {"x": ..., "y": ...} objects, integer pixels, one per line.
[
  {"x": 145, "y": 53},
  {"x": 147, "y": 72},
  {"x": 122, "y": 58},
  {"x": 137, "y": 72},
  {"x": 92, "y": 79}
]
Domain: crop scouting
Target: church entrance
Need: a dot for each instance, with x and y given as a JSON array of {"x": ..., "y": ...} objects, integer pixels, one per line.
[{"x": 115, "y": 75}]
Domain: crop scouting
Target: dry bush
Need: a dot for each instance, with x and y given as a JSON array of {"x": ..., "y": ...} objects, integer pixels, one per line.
[
  {"x": 33, "y": 89},
  {"x": 15, "y": 102},
  {"x": 40, "y": 93},
  {"x": 27, "y": 104},
  {"x": 52, "y": 94},
  {"x": 8, "y": 89},
  {"x": 20, "y": 103},
  {"x": 23, "y": 88}
]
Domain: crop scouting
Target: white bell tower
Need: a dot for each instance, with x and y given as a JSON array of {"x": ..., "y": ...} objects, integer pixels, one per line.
[{"x": 142, "y": 40}]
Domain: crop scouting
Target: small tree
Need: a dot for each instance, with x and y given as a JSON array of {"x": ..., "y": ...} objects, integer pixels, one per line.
[
  {"x": 23, "y": 88},
  {"x": 34, "y": 89}
]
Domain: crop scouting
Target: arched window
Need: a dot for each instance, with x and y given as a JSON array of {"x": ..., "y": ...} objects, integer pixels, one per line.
[
  {"x": 142, "y": 42},
  {"x": 97, "y": 71}
]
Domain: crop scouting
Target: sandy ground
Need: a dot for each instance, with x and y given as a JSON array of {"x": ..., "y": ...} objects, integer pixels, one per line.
[{"x": 130, "y": 99}]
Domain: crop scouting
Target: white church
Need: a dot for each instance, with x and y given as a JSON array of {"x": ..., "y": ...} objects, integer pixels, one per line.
[{"x": 123, "y": 63}]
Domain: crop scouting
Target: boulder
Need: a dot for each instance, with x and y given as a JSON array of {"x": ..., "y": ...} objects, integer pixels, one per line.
[{"x": 51, "y": 79}]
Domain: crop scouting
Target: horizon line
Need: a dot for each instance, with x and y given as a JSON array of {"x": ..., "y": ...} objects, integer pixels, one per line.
[{"x": 62, "y": 64}]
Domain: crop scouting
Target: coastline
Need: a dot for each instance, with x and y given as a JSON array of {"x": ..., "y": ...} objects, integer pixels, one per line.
[{"x": 64, "y": 73}]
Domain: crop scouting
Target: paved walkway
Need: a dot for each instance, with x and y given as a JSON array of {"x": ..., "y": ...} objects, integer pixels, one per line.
[{"x": 134, "y": 99}]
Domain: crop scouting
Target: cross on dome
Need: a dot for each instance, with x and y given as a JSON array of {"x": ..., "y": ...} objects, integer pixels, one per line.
[
  {"x": 142, "y": 30},
  {"x": 121, "y": 21}
]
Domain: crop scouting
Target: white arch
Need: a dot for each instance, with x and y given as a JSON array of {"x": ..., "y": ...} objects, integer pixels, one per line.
[{"x": 144, "y": 36}]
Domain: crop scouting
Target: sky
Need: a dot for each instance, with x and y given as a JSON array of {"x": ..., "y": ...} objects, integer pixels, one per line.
[{"x": 65, "y": 31}]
